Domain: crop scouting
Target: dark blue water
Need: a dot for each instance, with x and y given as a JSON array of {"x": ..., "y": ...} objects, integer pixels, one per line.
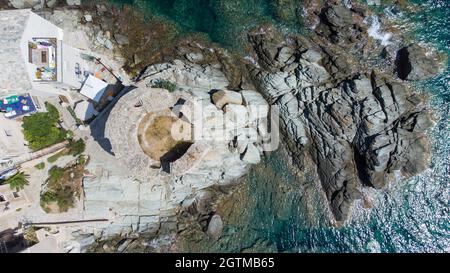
[{"x": 277, "y": 211}]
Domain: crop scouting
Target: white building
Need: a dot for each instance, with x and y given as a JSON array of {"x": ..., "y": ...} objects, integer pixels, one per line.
[
  {"x": 35, "y": 59},
  {"x": 11, "y": 200},
  {"x": 94, "y": 88},
  {"x": 33, "y": 55}
]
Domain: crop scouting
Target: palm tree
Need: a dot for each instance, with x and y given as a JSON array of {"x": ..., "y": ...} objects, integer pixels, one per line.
[{"x": 18, "y": 181}]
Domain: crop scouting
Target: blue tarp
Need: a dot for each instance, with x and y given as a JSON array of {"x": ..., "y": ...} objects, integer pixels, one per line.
[{"x": 24, "y": 106}]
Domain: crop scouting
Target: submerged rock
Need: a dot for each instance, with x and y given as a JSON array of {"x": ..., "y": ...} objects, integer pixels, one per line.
[{"x": 215, "y": 227}]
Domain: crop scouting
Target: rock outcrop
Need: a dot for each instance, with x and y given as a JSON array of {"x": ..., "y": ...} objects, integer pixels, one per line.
[
  {"x": 23, "y": 4},
  {"x": 416, "y": 63},
  {"x": 359, "y": 124},
  {"x": 41, "y": 4},
  {"x": 139, "y": 192}
]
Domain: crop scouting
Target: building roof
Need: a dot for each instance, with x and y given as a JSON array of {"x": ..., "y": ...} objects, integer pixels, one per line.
[
  {"x": 94, "y": 88},
  {"x": 13, "y": 74},
  {"x": 84, "y": 110}
]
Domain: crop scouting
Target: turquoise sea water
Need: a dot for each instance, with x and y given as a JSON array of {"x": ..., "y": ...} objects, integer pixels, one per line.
[
  {"x": 224, "y": 21},
  {"x": 409, "y": 216}
]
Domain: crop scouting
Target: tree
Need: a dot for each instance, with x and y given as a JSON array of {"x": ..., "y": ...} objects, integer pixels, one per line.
[
  {"x": 76, "y": 147},
  {"x": 65, "y": 199},
  {"x": 52, "y": 111},
  {"x": 18, "y": 181},
  {"x": 55, "y": 174},
  {"x": 40, "y": 129}
]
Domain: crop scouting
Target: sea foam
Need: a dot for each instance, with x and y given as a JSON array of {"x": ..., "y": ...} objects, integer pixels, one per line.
[{"x": 375, "y": 31}]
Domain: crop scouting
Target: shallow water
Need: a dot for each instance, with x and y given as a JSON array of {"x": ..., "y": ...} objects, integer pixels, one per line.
[
  {"x": 224, "y": 22},
  {"x": 408, "y": 216}
]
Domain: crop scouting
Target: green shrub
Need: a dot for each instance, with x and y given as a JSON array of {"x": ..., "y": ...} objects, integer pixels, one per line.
[
  {"x": 76, "y": 147},
  {"x": 30, "y": 236},
  {"x": 40, "y": 129},
  {"x": 54, "y": 176},
  {"x": 82, "y": 160},
  {"x": 65, "y": 199},
  {"x": 52, "y": 111},
  {"x": 69, "y": 134},
  {"x": 72, "y": 113},
  {"x": 164, "y": 84},
  {"x": 40, "y": 166},
  {"x": 48, "y": 197}
]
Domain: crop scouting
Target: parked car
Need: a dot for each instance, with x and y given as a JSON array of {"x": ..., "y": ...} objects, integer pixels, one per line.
[
  {"x": 8, "y": 173},
  {"x": 10, "y": 114}
]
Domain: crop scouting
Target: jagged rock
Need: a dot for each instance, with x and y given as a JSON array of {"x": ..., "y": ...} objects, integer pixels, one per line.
[
  {"x": 108, "y": 44},
  {"x": 73, "y": 2},
  {"x": 188, "y": 75},
  {"x": 139, "y": 193},
  {"x": 285, "y": 55},
  {"x": 312, "y": 56},
  {"x": 195, "y": 57},
  {"x": 223, "y": 97},
  {"x": 416, "y": 63},
  {"x": 87, "y": 18},
  {"x": 373, "y": 2},
  {"x": 359, "y": 128},
  {"x": 24, "y": 4},
  {"x": 52, "y": 3},
  {"x": 257, "y": 106},
  {"x": 215, "y": 227},
  {"x": 237, "y": 114},
  {"x": 244, "y": 137},
  {"x": 241, "y": 143},
  {"x": 121, "y": 39},
  {"x": 251, "y": 154},
  {"x": 123, "y": 245},
  {"x": 101, "y": 8},
  {"x": 338, "y": 16}
]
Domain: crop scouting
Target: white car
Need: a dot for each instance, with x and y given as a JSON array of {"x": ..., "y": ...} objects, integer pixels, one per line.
[{"x": 10, "y": 114}]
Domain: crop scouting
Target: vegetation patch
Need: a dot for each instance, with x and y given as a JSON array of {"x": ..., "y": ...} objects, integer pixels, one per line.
[
  {"x": 40, "y": 166},
  {"x": 55, "y": 157},
  {"x": 72, "y": 113},
  {"x": 64, "y": 186},
  {"x": 151, "y": 38},
  {"x": 165, "y": 84},
  {"x": 41, "y": 129},
  {"x": 74, "y": 148},
  {"x": 30, "y": 236},
  {"x": 18, "y": 182},
  {"x": 77, "y": 147}
]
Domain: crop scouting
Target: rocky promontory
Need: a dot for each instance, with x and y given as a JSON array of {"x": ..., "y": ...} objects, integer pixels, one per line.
[
  {"x": 343, "y": 91},
  {"x": 344, "y": 102}
]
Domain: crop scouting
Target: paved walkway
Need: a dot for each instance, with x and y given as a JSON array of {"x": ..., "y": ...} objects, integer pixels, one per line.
[
  {"x": 11, "y": 138},
  {"x": 41, "y": 153}
]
